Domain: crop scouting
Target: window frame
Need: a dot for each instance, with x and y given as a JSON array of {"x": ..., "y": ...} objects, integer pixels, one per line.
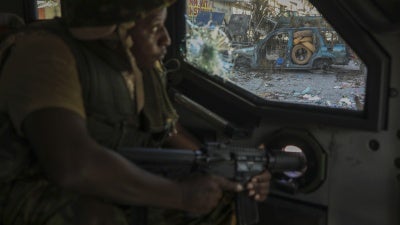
[{"x": 373, "y": 117}]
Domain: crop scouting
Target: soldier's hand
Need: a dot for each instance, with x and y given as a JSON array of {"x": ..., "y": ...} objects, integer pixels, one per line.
[
  {"x": 258, "y": 186},
  {"x": 201, "y": 193}
]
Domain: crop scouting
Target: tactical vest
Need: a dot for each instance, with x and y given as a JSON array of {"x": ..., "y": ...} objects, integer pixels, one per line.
[{"x": 110, "y": 112}]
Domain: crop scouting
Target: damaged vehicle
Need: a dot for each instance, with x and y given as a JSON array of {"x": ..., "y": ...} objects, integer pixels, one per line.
[{"x": 295, "y": 48}]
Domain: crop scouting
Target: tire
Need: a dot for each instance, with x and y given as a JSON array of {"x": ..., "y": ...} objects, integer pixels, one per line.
[
  {"x": 322, "y": 64},
  {"x": 301, "y": 54},
  {"x": 296, "y": 41},
  {"x": 242, "y": 62},
  {"x": 306, "y": 39},
  {"x": 309, "y": 45},
  {"x": 303, "y": 33},
  {"x": 299, "y": 40}
]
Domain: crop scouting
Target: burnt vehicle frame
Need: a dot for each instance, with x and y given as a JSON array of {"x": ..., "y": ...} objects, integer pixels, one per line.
[{"x": 295, "y": 48}]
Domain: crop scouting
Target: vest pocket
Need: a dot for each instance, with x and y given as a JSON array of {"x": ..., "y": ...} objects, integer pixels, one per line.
[
  {"x": 105, "y": 134},
  {"x": 119, "y": 134}
]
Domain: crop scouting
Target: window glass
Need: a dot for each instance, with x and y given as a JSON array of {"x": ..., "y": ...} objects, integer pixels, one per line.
[
  {"x": 48, "y": 9},
  {"x": 278, "y": 50}
]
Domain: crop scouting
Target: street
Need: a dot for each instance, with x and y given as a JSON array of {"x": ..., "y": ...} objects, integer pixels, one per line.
[{"x": 340, "y": 87}]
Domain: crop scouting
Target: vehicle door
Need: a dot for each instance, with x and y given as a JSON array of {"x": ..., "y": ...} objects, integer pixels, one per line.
[{"x": 345, "y": 120}]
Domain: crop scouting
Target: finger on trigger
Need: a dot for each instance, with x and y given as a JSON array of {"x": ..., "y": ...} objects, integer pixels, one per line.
[
  {"x": 228, "y": 185},
  {"x": 252, "y": 192},
  {"x": 262, "y": 198}
]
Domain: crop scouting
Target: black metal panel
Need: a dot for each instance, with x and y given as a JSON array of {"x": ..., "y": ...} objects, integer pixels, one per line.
[
  {"x": 281, "y": 211},
  {"x": 244, "y": 108}
]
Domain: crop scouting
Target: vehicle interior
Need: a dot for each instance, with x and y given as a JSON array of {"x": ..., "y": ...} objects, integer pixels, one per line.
[{"x": 344, "y": 118}]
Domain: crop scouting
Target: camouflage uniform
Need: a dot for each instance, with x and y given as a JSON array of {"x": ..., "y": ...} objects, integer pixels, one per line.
[
  {"x": 26, "y": 196},
  {"x": 11, "y": 21},
  {"x": 223, "y": 214}
]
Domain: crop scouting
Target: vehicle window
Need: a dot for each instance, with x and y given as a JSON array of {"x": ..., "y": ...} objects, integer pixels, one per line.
[
  {"x": 276, "y": 50},
  {"x": 48, "y": 9},
  {"x": 276, "y": 47}
]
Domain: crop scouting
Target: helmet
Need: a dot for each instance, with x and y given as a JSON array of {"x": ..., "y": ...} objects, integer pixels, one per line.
[
  {"x": 83, "y": 13},
  {"x": 10, "y": 20}
]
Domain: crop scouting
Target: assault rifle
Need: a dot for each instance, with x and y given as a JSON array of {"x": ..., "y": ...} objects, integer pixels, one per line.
[{"x": 235, "y": 163}]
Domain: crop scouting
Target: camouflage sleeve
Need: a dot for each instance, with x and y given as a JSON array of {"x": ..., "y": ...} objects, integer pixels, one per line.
[{"x": 40, "y": 73}]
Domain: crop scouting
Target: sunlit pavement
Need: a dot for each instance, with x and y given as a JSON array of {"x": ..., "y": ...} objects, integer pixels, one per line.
[{"x": 340, "y": 87}]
